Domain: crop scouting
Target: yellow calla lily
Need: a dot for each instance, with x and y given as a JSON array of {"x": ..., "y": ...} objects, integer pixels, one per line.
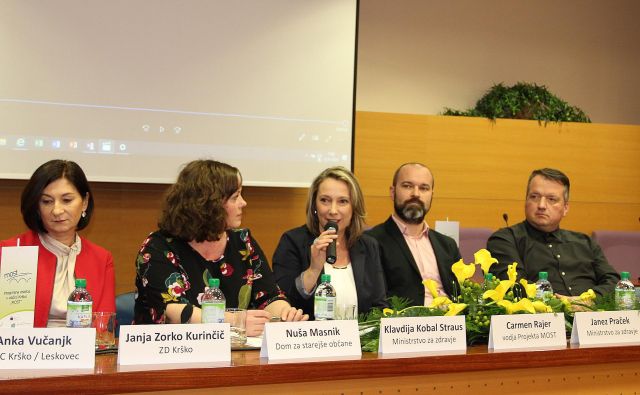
[
  {"x": 484, "y": 259},
  {"x": 512, "y": 272},
  {"x": 456, "y": 308},
  {"x": 439, "y": 301},
  {"x": 507, "y": 304},
  {"x": 498, "y": 293},
  {"x": 588, "y": 295},
  {"x": 387, "y": 312},
  {"x": 463, "y": 271},
  {"x": 524, "y": 305},
  {"x": 541, "y": 307},
  {"x": 431, "y": 286},
  {"x": 530, "y": 288},
  {"x": 521, "y": 305}
]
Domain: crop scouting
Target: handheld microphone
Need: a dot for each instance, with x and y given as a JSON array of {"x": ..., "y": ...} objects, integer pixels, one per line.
[
  {"x": 505, "y": 217},
  {"x": 331, "y": 249}
]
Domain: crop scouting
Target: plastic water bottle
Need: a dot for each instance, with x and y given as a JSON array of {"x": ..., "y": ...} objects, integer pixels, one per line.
[
  {"x": 79, "y": 306},
  {"x": 625, "y": 293},
  {"x": 325, "y": 299},
  {"x": 213, "y": 303},
  {"x": 544, "y": 291}
]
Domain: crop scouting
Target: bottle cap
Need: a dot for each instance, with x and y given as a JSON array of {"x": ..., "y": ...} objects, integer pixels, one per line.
[
  {"x": 325, "y": 278},
  {"x": 214, "y": 283},
  {"x": 624, "y": 275},
  {"x": 81, "y": 283},
  {"x": 488, "y": 276},
  {"x": 543, "y": 275}
]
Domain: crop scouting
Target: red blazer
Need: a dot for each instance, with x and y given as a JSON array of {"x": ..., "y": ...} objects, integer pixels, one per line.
[{"x": 94, "y": 263}]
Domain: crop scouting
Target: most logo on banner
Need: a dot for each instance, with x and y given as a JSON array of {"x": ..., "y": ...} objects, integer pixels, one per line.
[{"x": 18, "y": 271}]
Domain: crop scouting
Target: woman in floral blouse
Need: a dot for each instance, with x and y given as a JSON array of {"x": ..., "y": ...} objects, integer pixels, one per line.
[{"x": 199, "y": 238}]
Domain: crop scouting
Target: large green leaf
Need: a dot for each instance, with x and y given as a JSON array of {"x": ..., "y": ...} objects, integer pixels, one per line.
[
  {"x": 244, "y": 296},
  {"x": 206, "y": 276}
]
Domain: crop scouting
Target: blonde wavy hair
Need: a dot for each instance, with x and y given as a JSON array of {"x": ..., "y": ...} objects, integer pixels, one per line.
[{"x": 357, "y": 225}]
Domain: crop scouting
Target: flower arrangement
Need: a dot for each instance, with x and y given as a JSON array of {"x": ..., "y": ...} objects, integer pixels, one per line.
[{"x": 478, "y": 302}]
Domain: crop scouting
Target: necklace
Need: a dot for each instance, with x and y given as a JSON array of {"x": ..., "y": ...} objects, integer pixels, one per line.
[
  {"x": 216, "y": 260},
  {"x": 206, "y": 249}
]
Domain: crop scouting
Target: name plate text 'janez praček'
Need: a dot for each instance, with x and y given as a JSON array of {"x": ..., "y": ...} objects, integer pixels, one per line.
[{"x": 606, "y": 327}]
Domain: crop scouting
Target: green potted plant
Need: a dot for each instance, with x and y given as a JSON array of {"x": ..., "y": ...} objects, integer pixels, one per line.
[{"x": 522, "y": 101}]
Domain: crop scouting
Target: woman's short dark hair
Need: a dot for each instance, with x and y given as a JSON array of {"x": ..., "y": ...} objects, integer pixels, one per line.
[
  {"x": 193, "y": 206},
  {"x": 40, "y": 179}
]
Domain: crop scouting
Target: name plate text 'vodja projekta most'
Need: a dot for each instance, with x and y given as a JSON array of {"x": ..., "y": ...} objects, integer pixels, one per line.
[{"x": 527, "y": 331}]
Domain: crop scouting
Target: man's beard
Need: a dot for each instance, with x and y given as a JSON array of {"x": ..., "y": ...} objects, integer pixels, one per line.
[{"x": 411, "y": 211}]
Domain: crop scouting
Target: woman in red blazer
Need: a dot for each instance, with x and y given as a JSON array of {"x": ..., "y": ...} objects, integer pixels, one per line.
[{"x": 55, "y": 204}]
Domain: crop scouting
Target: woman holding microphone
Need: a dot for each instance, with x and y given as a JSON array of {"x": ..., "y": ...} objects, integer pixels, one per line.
[{"x": 335, "y": 217}]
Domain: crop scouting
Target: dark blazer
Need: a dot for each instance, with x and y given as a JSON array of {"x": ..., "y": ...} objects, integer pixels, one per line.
[
  {"x": 293, "y": 256},
  {"x": 401, "y": 272}
]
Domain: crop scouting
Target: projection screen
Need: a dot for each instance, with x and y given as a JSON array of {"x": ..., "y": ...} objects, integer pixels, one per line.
[{"x": 132, "y": 90}]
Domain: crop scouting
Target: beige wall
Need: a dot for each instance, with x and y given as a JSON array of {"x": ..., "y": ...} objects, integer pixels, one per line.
[
  {"x": 480, "y": 170},
  {"x": 419, "y": 56}
]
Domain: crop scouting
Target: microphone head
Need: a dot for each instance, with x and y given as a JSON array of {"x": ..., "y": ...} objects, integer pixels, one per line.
[
  {"x": 331, "y": 225},
  {"x": 505, "y": 217}
]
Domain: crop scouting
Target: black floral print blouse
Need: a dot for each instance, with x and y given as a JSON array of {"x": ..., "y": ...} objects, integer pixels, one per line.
[{"x": 168, "y": 270}]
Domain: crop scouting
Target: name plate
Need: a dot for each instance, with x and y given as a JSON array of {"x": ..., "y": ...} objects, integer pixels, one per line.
[
  {"x": 311, "y": 340},
  {"x": 422, "y": 334},
  {"x": 527, "y": 331},
  {"x": 171, "y": 344},
  {"x": 606, "y": 327},
  {"x": 47, "y": 348}
]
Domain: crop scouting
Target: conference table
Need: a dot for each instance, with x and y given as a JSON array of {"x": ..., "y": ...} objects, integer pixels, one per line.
[{"x": 575, "y": 370}]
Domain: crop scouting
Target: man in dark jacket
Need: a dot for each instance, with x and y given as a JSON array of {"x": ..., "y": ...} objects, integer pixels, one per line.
[
  {"x": 410, "y": 251},
  {"x": 573, "y": 261}
]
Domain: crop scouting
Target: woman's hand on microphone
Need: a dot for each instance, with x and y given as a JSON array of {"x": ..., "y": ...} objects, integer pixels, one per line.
[
  {"x": 318, "y": 258},
  {"x": 319, "y": 249}
]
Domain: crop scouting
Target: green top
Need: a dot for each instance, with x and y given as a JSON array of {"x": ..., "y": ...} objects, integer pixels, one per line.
[
  {"x": 81, "y": 283},
  {"x": 214, "y": 283},
  {"x": 543, "y": 275},
  {"x": 325, "y": 278},
  {"x": 624, "y": 276},
  {"x": 573, "y": 261}
]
